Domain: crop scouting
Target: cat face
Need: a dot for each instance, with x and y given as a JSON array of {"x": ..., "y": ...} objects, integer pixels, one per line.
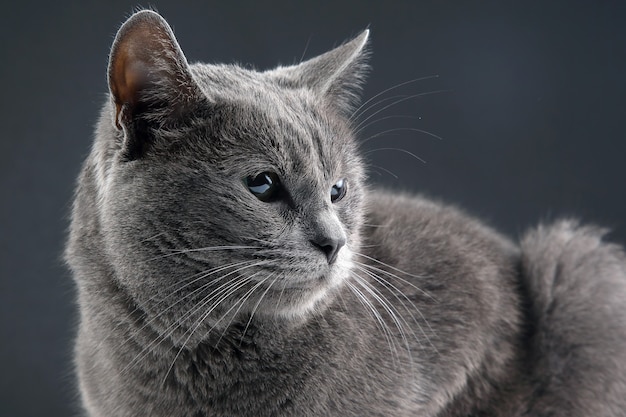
[{"x": 227, "y": 192}]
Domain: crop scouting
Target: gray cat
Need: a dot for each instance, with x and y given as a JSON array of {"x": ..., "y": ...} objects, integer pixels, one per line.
[{"x": 231, "y": 261}]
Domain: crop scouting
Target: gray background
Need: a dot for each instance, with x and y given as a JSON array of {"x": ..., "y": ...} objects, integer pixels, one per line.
[{"x": 532, "y": 127}]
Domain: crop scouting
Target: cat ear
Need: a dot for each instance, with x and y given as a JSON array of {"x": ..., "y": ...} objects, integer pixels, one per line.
[
  {"x": 336, "y": 75},
  {"x": 149, "y": 77}
]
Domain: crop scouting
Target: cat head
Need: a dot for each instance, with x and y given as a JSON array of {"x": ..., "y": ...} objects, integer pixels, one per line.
[{"x": 224, "y": 191}]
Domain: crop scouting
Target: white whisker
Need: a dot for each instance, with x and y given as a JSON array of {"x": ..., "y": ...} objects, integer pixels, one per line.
[
  {"x": 390, "y": 309},
  {"x": 367, "y": 305},
  {"x": 232, "y": 289},
  {"x": 256, "y": 306},
  {"x": 407, "y": 282},
  {"x": 200, "y": 275},
  {"x": 280, "y": 296},
  {"x": 396, "y": 149},
  {"x": 400, "y": 129},
  {"x": 357, "y": 113},
  {"x": 199, "y": 289},
  {"x": 390, "y": 267},
  {"x": 383, "y": 169},
  {"x": 395, "y": 103},
  {"x": 389, "y": 274},
  {"x": 169, "y": 331},
  {"x": 205, "y": 249},
  {"x": 239, "y": 303},
  {"x": 397, "y": 291},
  {"x": 380, "y": 119}
]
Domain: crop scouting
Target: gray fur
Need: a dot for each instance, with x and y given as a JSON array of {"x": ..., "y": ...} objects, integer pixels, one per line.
[{"x": 425, "y": 312}]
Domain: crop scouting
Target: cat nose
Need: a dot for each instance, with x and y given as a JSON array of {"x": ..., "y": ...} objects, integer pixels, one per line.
[{"x": 329, "y": 245}]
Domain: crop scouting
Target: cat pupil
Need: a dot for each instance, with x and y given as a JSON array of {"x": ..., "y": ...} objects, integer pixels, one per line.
[{"x": 265, "y": 186}]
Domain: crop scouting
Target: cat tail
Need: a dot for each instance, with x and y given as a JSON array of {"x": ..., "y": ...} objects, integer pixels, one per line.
[{"x": 576, "y": 283}]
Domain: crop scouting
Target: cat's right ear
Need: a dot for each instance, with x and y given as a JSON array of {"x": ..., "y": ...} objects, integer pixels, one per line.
[
  {"x": 337, "y": 75},
  {"x": 149, "y": 78}
]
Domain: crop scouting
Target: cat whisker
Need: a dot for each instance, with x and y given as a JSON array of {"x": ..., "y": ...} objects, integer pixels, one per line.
[
  {"x": 389, "y": 274},
  {"x": 380, "y": 119},
  {"x": 169, "y": 331},
  {"x": 231, "y": 290},
  {"x": 343, "y": 301},
  {"x": 204, "y": 274},
  {"x": 255, "y": 239},
  {"x": 384, "y": 169},
  {"x": 369, "y": 307},
  {"x": 213, "y": 248},
  {"x": 394, "y": 276},
  {"x": 396, "y": 149},
  {"x": 378, "y": 103},
  {"x": 400, "y": 129},
  {"x": 197, "y": 290},
  {"x": 197, "y": 277},
  {"x": 400, "y": 99},
  {"x": 375, "y": 225},
  {"x": 370, "y": 246},
  {"x": 239, "y": 304},
  {"x": 223, "y": 288},
  {"x": 389, "y": 266},
  {"x": 200, "y": 275},
  {"x": 359, "y": 111},
  {"x": 152, "y": 237},
  {"x": 280, "y": 296},
  {"x": 217, "y": 292},
  {"x": 205, "y": 249},
  {"x": 306, "y": 46},
  {"x": 393, "y": 313},
  {"x": 256, "y": 306},
  {"x": 395, "y": 291}
]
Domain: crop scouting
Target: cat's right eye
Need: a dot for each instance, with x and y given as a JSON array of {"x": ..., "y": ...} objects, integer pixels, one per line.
[{"x": 265, "y": 186}]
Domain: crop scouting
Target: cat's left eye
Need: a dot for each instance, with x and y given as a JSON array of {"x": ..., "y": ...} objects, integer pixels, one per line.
[
  {"x": 338, "y": 191},
  {"x": 265, "y": 186}
]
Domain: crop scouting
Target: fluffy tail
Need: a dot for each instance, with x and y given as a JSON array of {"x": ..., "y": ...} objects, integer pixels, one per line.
[{"x": 577, "y": 288}]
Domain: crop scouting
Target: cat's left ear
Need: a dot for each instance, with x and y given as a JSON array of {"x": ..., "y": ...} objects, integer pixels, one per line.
[{"x": 337, "y": 75}]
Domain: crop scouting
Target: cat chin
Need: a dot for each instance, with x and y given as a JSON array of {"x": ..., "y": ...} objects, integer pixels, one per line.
[
  {"x": 308, "y": 303},
  {"x": 308, "y": 299}
]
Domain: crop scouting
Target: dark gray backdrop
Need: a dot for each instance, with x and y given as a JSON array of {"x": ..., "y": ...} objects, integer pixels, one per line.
[{"x": 531, "y": 125}]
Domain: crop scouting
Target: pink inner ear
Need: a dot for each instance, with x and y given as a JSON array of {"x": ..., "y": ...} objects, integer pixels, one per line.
[
  {"x": 128, "y": 69},
  {"x": 146, "y": 55},
  {"x": 139, "y": 42},
  {"x": 135, "y": 78},
  {"x": 118, "y": 82},
  {"x": 131, "y": 76}
]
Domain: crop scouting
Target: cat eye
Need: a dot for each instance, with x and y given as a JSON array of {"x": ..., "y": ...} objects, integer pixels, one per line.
[
  {"x": 338, "y": 191},
  {"x": 265, "y": 186}
]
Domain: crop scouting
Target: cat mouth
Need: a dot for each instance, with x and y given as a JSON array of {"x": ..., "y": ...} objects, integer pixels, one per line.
[{"x": 315, "y": 275}]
